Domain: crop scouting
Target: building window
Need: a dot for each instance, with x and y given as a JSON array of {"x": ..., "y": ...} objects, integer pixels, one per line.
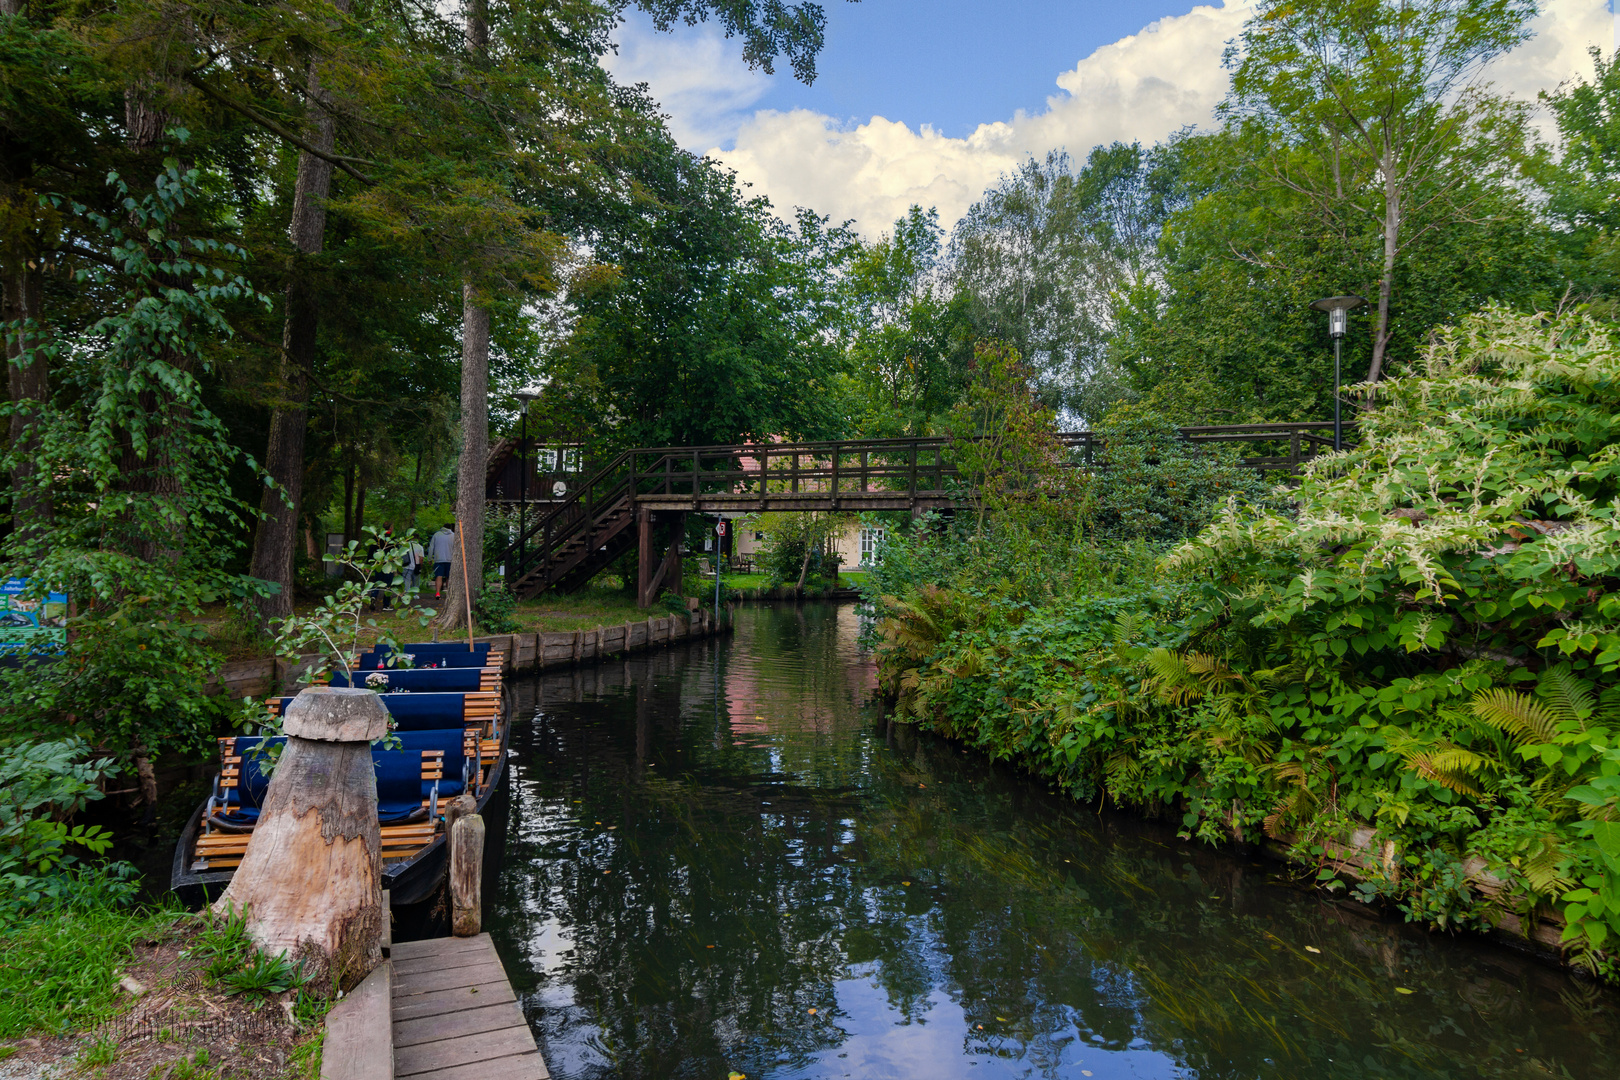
[
  {"x": 758, "y": 535},
  {"x": 871, "y": 545},
  {"x": 557, "y": 459}
]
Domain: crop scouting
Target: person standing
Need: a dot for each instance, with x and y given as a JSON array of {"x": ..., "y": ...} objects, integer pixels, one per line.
[
  {"x": 441, "y": 550},
  {"x": 413, "y": 564}
]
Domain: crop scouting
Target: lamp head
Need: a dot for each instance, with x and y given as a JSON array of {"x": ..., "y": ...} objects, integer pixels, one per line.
[{"x": 1338, "y": 310}]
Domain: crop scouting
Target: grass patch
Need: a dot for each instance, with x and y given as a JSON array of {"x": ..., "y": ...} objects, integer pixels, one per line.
[
  {"x": 59, "y": 973},
  {"x": 156, "y": 994}
]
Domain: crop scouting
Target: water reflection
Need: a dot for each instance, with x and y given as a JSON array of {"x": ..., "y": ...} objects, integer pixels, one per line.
[{"x": 771, "y": 880}]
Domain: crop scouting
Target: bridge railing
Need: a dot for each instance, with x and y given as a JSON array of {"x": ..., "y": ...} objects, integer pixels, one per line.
[{"x": 825, "y": 471}]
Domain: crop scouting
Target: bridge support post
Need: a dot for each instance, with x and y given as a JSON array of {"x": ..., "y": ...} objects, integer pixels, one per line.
[
  {"x": 644, "y": 566},
  {"x": 650, "y": 579}
]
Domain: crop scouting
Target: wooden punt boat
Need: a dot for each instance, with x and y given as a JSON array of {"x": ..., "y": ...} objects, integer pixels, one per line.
[{"x": 469, "y": 754}]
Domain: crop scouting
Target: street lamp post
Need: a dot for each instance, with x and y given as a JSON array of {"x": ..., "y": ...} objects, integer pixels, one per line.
[
  {"x": 525, "y": 396},
  {"x": 1338, "y": 312}
]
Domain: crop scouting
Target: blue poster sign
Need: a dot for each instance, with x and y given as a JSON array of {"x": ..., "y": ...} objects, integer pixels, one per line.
[{"x": 31, "y": 624}]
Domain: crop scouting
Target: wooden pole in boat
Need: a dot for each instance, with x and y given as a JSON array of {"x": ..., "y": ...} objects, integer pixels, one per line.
[{"x": 466, "y": 585}]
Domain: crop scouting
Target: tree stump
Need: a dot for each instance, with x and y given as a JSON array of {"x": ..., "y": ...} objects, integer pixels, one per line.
[{"x": 310, "y": 883}]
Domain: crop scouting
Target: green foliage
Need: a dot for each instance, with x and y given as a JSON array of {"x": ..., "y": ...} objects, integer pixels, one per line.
[
  {"x": 494, "y": 606},
  {"x": 235, "y": 963},
  {"x": 706, "y": 320},
  {"x": 334, "y": 627},
  {"x": 1420, "y": 652},
  {"x": 125, "y": 472},
  {"x": 797, "y": 551},
  {"x": 908, "y": 338},
  {"x": 1150, "y": 484},
  {"x": 59, "y": 971}
]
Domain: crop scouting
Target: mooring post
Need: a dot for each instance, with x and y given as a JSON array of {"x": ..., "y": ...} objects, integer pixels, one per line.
[{"x": 467, "y": 875}]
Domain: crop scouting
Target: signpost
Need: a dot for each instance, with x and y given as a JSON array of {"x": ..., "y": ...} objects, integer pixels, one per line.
[
  {"x": 720, "y": 532},
  {"x": 31, "y": 626}
]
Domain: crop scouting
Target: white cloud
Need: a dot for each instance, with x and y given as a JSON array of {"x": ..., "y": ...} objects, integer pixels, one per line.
[
  {"x": 694, "y": 73},
  {"x": 1142, "y": 88}
]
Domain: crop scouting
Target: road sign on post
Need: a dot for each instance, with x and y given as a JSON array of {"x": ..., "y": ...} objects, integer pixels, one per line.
[{"x": 719, "y": 531}]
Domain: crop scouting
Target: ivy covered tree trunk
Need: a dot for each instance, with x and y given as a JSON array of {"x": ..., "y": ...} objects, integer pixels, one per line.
[
  {"x": 474, "y": 464},
  {"x": 277, "y": 535},
  {"x": 30, "y": 382}
]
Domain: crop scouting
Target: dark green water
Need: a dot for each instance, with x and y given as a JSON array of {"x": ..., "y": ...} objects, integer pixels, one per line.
[{"x": 723, "y": 859}]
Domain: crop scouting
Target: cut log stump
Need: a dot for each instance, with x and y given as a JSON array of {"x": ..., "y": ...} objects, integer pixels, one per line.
[{"x": 310, "y": 882}]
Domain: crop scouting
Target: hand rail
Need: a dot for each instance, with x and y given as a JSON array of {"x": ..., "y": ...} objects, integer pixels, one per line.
[{"x": 655, "y": 471}]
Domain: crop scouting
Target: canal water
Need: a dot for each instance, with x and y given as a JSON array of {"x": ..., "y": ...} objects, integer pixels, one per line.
[{"x": 722, "y": 859}]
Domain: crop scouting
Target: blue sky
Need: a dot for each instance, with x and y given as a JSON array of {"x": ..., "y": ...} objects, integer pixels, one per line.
[
  {"x": 954, "y": 64},
  {"x": 927, "y": 102}
]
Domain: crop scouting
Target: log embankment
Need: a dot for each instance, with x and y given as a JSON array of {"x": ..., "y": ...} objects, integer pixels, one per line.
[{"x": 524, "y": 653}]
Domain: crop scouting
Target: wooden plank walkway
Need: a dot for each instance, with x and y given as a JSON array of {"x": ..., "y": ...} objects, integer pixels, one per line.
[{"x": 455, "y": 1015}]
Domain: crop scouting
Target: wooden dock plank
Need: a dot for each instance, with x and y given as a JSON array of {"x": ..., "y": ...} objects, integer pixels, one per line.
[
  {"x": 522, "y": 1067},
  {"x": 424, "y": 981},
  {"x": 444, "y": 961},
  {"x": 455, "y": 1016},
  {"x": 451, "y": 1025},
  {"x": 463, "y": 1050},
  {"x": 451, "y": 1000},
  {"x": 410, "y": 950},
  {"x": 358, "y": 1041}
]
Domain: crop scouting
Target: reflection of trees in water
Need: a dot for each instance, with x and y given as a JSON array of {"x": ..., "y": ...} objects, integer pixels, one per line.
[{"x": 1135, "y": 941}]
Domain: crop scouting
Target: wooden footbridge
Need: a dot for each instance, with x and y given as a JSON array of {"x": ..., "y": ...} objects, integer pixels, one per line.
[{"x": 622, "y": 503}]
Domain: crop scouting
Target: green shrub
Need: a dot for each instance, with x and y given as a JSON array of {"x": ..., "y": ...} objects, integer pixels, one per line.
[
  {"x": 494, "y": 607},
  {"x": 1422, "y": 648}
]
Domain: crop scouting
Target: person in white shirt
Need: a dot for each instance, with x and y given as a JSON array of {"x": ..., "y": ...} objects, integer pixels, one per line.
[
  {"x": 413, "y": 565},
  {"x": 441, "y": 550}
]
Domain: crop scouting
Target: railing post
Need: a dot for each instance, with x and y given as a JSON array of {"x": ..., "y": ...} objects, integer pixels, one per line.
[
  {"x": 911, "y": 479},
  {"x": 835, "y": 457},
  {"x": 695, "y": 467}
]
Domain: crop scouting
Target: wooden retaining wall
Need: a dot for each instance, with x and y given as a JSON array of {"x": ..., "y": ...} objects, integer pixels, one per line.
[{"x": 525, "y": 653}]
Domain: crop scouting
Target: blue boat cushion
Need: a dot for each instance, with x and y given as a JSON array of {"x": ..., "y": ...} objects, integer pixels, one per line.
[
  {"x": 453, "y": 742},
  {"x": 371, "y": 661},
  {"x": 399, "y": 786},
  {"x": 244, "y": 801},
  {"x": 435, "y": 652},
  {"x": 418, "y": 712},
  {"x": 454, "y": 680}
]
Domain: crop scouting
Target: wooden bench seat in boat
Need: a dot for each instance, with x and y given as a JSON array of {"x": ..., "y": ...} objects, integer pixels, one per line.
[{"x": 224, "y": 850}]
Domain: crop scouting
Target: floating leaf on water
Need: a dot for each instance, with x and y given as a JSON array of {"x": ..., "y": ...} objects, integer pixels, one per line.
[
  {"x": 1003, "y": 1019},
  {"x": 812, "y": 1012},
  {"x": 737, "y": 1076},
  {"x": 1404, "y": 990},
  {"x": 1314, "y": 949},
  {"x": 905, "y": 883}
]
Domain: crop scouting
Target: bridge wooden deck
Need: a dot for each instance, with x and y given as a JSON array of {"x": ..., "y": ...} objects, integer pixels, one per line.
[
  {"x": 455, "y": 1016},
  {"x": 620, "y": 505}
]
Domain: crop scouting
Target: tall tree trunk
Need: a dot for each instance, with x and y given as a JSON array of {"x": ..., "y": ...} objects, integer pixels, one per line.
[
  {"x": 284, "y": 455},
  {"x": 30, "y": 382},
  {"x": 1386, "y": 284},
  {"x": 474, "y": 463},
  {"x": 416, "y": 486},
  {"x": 348, "y": 503}
]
